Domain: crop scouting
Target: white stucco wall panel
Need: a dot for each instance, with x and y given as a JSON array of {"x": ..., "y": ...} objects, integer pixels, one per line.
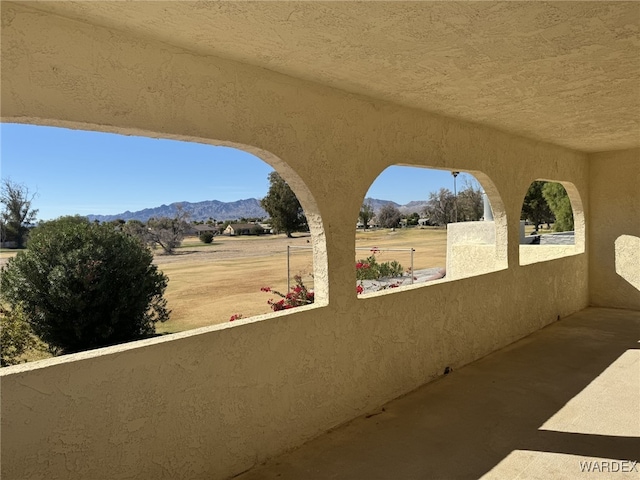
[
  {"x": 614, "y": 188},
  {"x": 214, "y": 402}
]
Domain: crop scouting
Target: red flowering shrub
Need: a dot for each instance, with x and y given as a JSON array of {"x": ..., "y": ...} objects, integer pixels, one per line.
[
  {"x": 370, "y": 269},
  {"x": 298, "y": 296}
]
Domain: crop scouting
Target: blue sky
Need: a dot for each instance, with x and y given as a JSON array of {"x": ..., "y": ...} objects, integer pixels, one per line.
[{"x": 80, "y": 172}]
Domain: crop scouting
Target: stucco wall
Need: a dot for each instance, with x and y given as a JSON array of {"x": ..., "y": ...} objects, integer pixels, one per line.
[
  {"x": 542, "y": 253},
  {"x": 469, "y": 260},
  {"x": 476, "y": 233},
  {"x": 473, "y": 249},
  {"x": 614, "y": 192},
  {"x": 213, "y": 402}
]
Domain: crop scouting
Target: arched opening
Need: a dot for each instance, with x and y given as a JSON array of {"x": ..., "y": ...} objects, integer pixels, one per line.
[
  {"x": 418, "y": 226},
  {"x": 551, "y": 222},
  {"x": 228, "y": 250}
]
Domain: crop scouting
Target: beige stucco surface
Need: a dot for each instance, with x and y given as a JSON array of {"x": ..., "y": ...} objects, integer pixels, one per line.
[
  {"x": 474, "y": 248},
  {"x": 614, "y": 231},
  {"x": 542, "y": 253},
  {"x": 213, "y": 402},
  {"x": 627, "y": 259},
  {"x": 533, "y": 411},
  {"x": 476, "y": 233},
  {"x": 562, "y": 72},
  {"x": 469, "y": 260}
]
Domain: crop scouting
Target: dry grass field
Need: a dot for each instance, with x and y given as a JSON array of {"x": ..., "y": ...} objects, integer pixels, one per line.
[
  {"x": 210, "y": 283},
  {"x": 430, "y": 245}
]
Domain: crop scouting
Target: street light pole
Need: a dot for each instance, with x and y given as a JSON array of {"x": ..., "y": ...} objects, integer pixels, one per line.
[{"x": 455, "y": 196}]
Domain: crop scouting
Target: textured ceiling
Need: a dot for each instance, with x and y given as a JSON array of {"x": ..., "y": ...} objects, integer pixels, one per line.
[{"x": 564, "y": 72}]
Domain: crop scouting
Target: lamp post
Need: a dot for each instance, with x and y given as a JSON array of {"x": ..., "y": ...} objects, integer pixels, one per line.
[{"x": 455, "y": 196}]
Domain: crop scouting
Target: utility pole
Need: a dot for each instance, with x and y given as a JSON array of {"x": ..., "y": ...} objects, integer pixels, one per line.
[{"x": 455, "y": 196}]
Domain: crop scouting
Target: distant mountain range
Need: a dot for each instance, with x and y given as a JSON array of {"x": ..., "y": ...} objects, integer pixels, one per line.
[
  {"x": 413, "y": 206},
  {"x": 199, "y": 211},
  {"x": 248, "y": 208}
]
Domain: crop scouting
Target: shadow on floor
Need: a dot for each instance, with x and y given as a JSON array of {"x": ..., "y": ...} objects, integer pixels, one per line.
[{"x": 485, "y": 419}]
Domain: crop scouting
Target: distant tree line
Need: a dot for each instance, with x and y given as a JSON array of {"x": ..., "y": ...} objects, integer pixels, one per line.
[
  {"x": 164, "y": 232},
  {"x": 444, "y": 207},
  {"x": 441, "y": 209},
  {"x": 545, "y": 202},
  {"x": 213, "y": 222}
]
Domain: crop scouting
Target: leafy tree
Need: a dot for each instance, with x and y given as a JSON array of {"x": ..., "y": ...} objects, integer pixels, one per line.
[
  {"x": 167, "y": 232},
  {"x": 470, "y": 204},
  {"x": 389, "y": 216},
  {"x": 17, "y": 215},
  {"x": 558, "y": 200},
  {"x": 83, "y": 285},
  {"x": 535, "y": 207},
  {"x": 136, "y": 229},
  {"x": 117, "y": 224},
  {"x": 366, "y": 214},
  {"x": 283, "y": 206},
  {"x": 257, "y": 230},
  {"x": 413, "y": 219},
  {"x": 440, "y": 207}
]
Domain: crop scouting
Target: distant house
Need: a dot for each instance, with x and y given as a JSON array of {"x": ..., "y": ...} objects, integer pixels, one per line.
[
  {"x": 372, "y": 224},
  {"x": 197, "y": 230},
  {"x": 243, "y": 229},
  {"x": 200, "y": 229},
  {"x": 267, "y": 227}
]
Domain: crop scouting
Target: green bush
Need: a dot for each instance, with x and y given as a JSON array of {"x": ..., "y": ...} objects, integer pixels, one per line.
[
  {"x": 83, "y": 285},
  {"x": 370, "y": 269},
  {"x": 206, "y": 237},
  {"x": 16, "y": 336},
  {"x": 390, "y": 269}
]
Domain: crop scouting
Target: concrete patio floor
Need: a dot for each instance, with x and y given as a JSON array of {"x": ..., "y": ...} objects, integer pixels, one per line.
[{"x": 560, "y": 402}]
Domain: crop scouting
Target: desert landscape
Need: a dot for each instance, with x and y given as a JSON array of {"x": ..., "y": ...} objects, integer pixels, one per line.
[{"x": 208, "y": 283}]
